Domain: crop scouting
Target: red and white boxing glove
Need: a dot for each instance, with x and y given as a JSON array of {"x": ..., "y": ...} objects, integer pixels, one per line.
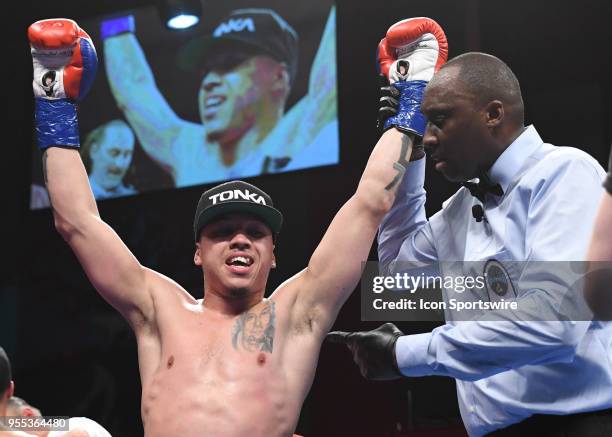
[
  {"x": 409, "y": 55},
  {"x": 65, "y": 63}
]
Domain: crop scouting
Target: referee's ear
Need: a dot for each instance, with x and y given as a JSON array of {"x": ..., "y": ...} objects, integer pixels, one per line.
[{"x": 495, "y": 113}]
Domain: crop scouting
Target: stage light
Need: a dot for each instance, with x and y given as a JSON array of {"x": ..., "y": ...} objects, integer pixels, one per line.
[{"x": 179, "y": 14}]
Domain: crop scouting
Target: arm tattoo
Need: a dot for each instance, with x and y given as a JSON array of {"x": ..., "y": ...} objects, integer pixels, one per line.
[
  {"x": 400, "y": 165},
  {"x": 254, "y": 329}
]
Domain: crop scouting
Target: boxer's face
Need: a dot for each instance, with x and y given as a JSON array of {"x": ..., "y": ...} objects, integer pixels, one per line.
[
  {"x": 239, "y": 93},
  {"x": 456, "y": 132},
  {"x": 236, "y": 254}
]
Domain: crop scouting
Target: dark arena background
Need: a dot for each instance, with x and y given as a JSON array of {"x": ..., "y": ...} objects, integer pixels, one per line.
[{"x": 74, "y": 355}]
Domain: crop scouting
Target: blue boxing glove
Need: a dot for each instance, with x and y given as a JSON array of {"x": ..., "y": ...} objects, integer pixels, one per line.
[
  {"x": 409, "y": 55},
  {"x": 65, "y": 63}
]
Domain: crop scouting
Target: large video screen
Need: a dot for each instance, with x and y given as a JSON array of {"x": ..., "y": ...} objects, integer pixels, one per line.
[{"x": 248, "y": 91}]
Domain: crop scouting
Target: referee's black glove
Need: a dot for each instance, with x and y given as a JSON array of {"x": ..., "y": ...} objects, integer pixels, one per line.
[{"x": 373, "y": 351}]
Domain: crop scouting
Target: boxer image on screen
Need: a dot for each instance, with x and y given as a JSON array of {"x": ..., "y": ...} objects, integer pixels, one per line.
[{"x": 247, "y": 68}]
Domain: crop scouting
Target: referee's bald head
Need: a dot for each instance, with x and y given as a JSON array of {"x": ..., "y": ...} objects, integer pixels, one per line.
[{"x": 487, "y": 78}]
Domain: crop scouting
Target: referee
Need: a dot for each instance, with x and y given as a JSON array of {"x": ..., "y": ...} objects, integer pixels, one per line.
[{"x": 533, "y": 202}]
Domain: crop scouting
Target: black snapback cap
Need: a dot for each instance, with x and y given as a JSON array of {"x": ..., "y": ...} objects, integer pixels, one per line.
[
  {"x": 236, "y": 196},
  {"x": 258, "y": 28}
]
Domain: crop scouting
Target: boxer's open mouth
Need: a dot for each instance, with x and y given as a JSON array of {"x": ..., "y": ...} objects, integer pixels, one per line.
[
  {"x": 239, "y": 260},
  {"x": 214, "y": 101}
]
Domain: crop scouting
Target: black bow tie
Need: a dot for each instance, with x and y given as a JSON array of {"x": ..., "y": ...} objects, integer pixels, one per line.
[{"x": 484, "y": 186}]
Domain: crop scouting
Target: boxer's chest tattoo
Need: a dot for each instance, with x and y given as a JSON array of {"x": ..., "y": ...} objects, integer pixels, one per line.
[{"x": 254, "y": 330}]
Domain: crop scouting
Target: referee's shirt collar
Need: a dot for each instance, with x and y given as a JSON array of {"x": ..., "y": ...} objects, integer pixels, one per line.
[{"x": 513, "y": 158}]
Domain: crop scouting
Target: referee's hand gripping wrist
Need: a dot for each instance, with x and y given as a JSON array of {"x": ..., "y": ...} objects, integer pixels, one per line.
[{"x": 373, "y": 351}]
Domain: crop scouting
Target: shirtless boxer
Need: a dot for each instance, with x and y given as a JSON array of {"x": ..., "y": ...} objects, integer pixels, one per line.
[{"x": 234, "y": 363}]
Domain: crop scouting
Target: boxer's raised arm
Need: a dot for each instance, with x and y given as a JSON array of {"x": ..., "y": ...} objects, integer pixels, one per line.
[
  {"x": 336, "y": 265},
  {"x": 408, "y": 56},
  {"x": 64, "y": 65},
  {"x": 317, "y": 109},
  {"x": 135, "y": 91},
  {"x": 108, "y": 263}
]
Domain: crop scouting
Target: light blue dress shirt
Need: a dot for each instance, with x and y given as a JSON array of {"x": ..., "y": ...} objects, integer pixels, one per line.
[{"x": 508, "y": 370}]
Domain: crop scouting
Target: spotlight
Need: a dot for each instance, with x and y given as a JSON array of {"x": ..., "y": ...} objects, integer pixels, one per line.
[{"x": 179, "y": 14}]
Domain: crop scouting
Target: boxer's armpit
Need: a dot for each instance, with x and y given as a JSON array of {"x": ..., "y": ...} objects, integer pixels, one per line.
[{"x": 254, "y": 329}]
